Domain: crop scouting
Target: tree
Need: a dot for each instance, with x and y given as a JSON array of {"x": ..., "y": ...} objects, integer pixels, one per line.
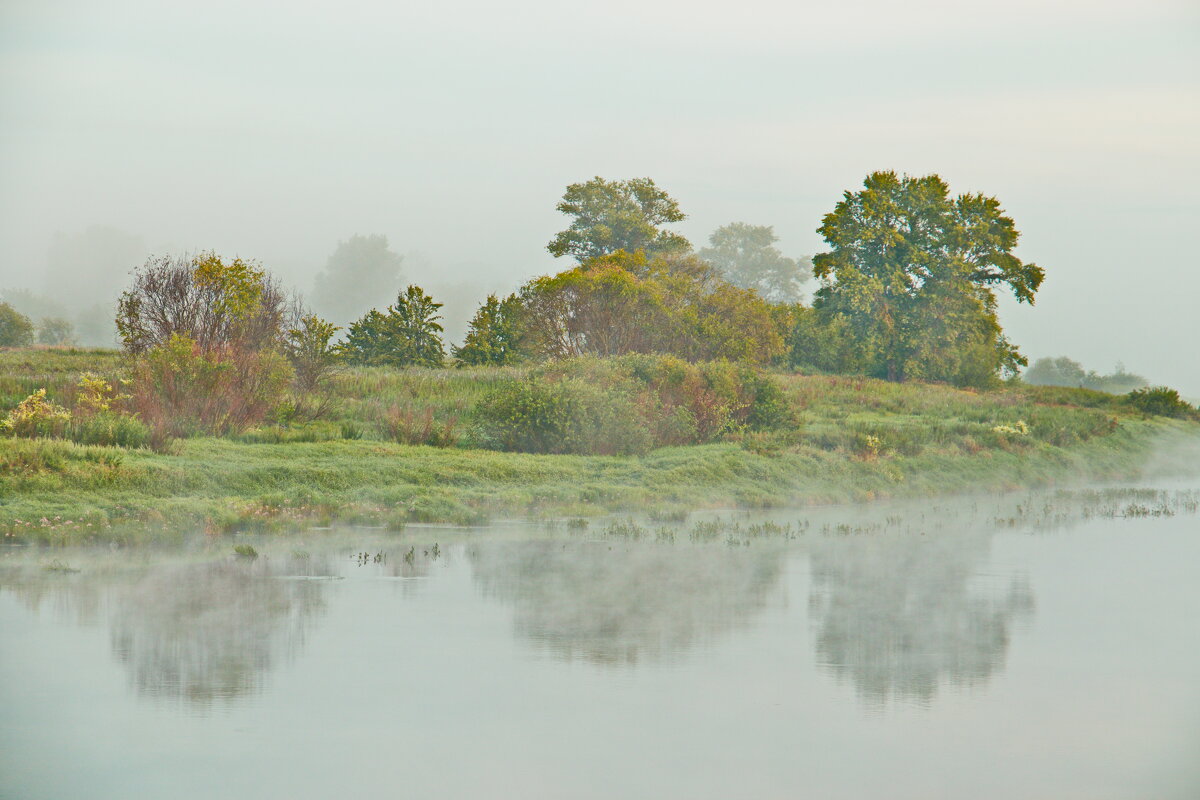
[
  {"x": 912, "y": 272},
  {"x": 55, "y": 331},
  {"x": 407, "y": 335},
  {"x": 494, "y": 333},
  {"x": 617, "y": 215},
  {"x": 214, "y": 304},
  {"x": 747, "y": 257},
  {"x": 360, "y": 273},
  {"x": 16, "y": 329}
]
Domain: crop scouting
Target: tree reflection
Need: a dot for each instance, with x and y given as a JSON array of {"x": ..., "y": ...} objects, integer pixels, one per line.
[
  {"x": 619, "y": 604},
  {"x": 900, "y": 614},
  {"x": 212, "y": 631}
]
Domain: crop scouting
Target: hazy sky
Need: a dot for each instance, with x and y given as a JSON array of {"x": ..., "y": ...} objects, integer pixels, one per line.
[{"x": 274, "y": 129}]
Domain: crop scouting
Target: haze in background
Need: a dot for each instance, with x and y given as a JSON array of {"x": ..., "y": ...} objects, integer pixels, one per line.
[{"x": 275, "y": 130}]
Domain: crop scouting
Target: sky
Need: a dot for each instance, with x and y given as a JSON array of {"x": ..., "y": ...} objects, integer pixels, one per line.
[{"x": 274, "y": 130}]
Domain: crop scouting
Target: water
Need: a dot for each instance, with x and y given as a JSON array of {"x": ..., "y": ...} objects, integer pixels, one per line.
[{"x": 1037, "y": 646}]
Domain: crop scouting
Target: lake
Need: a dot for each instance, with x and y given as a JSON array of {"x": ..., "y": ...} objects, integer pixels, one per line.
[{"x": 1029, "y": 645}]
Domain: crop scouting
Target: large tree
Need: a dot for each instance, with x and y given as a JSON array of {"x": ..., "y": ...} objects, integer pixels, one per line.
[
  {"x": 617, "y": 215},
  {"x": 360, "y": 274},
  {"x": 912, "y": 272},
  {"x": 747, "y": 257}
]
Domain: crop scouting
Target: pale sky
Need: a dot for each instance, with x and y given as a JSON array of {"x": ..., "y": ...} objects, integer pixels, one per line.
[{"x": 273, "y": 130}]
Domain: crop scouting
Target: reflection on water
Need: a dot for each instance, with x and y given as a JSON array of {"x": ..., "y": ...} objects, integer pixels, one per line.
[
  {"x": 209, "y": 631},
  {"x": 899, "y": 614},
  {"x": 622, "y": 603}
]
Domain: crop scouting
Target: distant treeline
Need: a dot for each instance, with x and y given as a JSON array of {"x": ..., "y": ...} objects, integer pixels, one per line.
[{"x": 1062, "y": 371}]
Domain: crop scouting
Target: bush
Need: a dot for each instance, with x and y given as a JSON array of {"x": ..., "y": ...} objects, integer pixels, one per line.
[
  {"x": 110, "y": 429},
  {"x": 1160, "y": 401},
  {"x": 36, "y": 417},
  {"x": 408, "y": 426},
  {"x": 183, "y": 391},
  {"x": 629, "y": 405}
]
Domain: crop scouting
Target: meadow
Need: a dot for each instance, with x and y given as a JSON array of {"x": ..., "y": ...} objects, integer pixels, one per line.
[{"x": 399, "y": 446}]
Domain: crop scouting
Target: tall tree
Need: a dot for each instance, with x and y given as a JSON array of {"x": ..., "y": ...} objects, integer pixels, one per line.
[
  {"x": 913, "y": 272},
  {"x": 407, "y": 335},
  {"x": 747, "y": 257},
  {"x": 360, "y": 274},
  {"x": 494, "y": 333},
  {"x": 617, "y": 215}
]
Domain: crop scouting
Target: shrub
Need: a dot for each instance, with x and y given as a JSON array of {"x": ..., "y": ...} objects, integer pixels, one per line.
[
  {"x": 1160, "y": 401},
  {"x": 182, "y": 390},
  {"x": 35, "y": 417},
  {"x": 110, "y": 429},
  {"x": 408, "y": 426},
  {"x": 407, "y": 335},
  {"x": 16, "y": 329}
]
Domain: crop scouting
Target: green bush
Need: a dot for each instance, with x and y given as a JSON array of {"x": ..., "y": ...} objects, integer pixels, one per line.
[
  {"x": 16, "y": 329},
  {"x": 629, "y": 405},
  {"x": 1160, "y": 401},
  {"x": 36, "y": 417}
]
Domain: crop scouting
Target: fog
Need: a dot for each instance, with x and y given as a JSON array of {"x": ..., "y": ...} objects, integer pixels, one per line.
[{"x": 274, "y": 131}]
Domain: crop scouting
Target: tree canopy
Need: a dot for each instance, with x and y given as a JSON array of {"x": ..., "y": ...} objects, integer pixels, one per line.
[
  {"x": 747, "y": 257},
  {"x": 16, "y": 329},
  {"x": 617, "y": 215},
  {"x": 912, "y": 272},
  {"x": 494, "y": 333}
]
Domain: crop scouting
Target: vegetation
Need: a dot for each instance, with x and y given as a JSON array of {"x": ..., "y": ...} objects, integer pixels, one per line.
[
  {"x": 360, "y": 272},
  {"x": 16, "y": 330},
  {"x": 618, "y": 215},
  {"x": 910, "y": 274},
  {"x": 853, "y": 438},
  {"x": 1063, "y": 371},
  {"x": 408, "y": 334},
  {"x": 746, "y": 256},
  {"x": 494, "y": 334}
]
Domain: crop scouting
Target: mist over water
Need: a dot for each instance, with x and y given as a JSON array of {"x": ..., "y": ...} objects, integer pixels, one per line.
[{"x": 991, "y": 647}]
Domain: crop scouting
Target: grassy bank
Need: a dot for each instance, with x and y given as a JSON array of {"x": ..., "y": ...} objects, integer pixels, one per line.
[{"x": 855, "y": 439}]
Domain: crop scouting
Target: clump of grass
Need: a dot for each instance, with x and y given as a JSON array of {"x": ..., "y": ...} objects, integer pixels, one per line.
[{"x": 245, "y": 551}]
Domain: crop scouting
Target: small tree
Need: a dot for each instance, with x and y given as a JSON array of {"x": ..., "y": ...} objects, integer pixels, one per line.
[
  {"x": 16, "y": 329},
  {"x": 494, "y": 333},
  {"x": 407, "y": 335},
  {"x": 617, "y": 215}
]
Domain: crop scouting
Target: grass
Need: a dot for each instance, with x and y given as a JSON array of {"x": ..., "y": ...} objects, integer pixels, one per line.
[{"x": 856, "y": 439}]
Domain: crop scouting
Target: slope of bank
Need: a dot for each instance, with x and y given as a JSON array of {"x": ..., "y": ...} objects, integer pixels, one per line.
[{"x": 53, "y": 491}]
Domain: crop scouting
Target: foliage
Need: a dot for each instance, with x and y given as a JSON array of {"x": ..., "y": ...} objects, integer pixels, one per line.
[
  {"x": 55, "y": 331},
  {"x": 747, "y": 257},
  {"x": 912, "y": 272},
  {"x": 185, "y": 390},
  {"x": 629, "y": 405},
  {"x": 361, "y": 272},
  {"x": 111, "y": 429},
  {"x": 204, "y": 299},
  {"x": 1160, "y": 401},
  {"x": 16, "y": 329},
  {"x": 1063, "y": 371},
  {"x": 494, "y": 333},
  {"x": 35, "y": 417},
  {"x": 617, "y": 215},
  {"x": 408, "y": 425},
  {"x": 632, "y": 303},
  {"x": 820, "y": 342},
  {"x": 94, "y": 394},
  {"x": 407, "y": 335}
]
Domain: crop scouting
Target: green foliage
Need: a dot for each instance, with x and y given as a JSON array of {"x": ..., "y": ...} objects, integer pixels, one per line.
[
  {"x": 617, "y": 215},
  {"x": 821, "y": 342},
  {"x": 16, "y": 329},
  {"x": 747, "y": 257},
  {"x": 1160, "y": 401},
  {"x": 360, "y": 273},
  {"x": 494, "y": 333},
  {"x": 629, "y": 405},
  {"x": 911, "y": 272},
  {"x": 110, "y": 429},
  {"x": 55, "y": 332},
  {"x": 311, "y": 352},
  {"x": 407, "y": 335},
  {"x": 630, "y": 303},
  {"x": 35, "y": 417}
]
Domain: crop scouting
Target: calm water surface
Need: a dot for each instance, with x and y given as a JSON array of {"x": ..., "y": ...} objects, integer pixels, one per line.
[{"x": 1029, "y": 647}]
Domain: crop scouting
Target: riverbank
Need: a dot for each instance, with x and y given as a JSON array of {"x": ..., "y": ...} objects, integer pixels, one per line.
[{"x": 855, "y": 439}]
